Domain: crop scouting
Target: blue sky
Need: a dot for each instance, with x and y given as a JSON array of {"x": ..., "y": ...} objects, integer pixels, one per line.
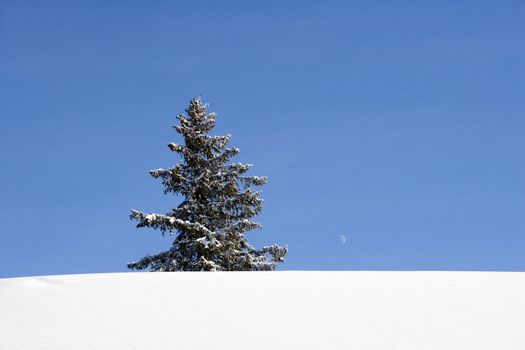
[{"x": 398, "y": 124}]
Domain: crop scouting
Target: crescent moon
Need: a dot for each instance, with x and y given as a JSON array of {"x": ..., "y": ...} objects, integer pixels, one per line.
[{"x": 343, "y": 239}]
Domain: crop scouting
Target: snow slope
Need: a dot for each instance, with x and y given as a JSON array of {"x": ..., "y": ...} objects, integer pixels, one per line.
[{"x": 265, "y": 310}]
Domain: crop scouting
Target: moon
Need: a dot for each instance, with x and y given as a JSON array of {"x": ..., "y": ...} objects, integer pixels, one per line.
[{"x": 343, "y": 239}]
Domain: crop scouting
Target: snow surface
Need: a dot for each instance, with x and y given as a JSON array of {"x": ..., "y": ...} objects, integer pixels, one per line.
[{"x": 265, "y": 310}]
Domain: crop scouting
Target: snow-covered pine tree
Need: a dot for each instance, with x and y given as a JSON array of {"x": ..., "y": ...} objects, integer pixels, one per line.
[{"x": 217, "y": 207}]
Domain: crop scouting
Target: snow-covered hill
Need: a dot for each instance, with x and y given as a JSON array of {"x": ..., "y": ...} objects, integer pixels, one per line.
[{"x": 265, "y": 310}]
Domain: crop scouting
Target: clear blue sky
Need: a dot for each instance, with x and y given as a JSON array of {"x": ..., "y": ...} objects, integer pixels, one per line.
[{"x": 398, "y": 124}]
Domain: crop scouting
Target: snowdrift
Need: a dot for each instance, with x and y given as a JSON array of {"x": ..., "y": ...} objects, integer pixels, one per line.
[{"x": 265, "y": 310}]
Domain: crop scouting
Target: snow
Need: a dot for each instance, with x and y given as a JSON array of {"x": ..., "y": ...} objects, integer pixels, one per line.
[{"x": 265, "y": 310}]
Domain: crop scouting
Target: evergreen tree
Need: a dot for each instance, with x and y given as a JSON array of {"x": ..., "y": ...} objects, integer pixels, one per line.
[{"x": 218, "y": 204}]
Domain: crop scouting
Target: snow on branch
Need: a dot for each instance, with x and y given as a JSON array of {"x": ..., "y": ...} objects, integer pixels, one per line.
[{"x": 167, "y": 223}]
